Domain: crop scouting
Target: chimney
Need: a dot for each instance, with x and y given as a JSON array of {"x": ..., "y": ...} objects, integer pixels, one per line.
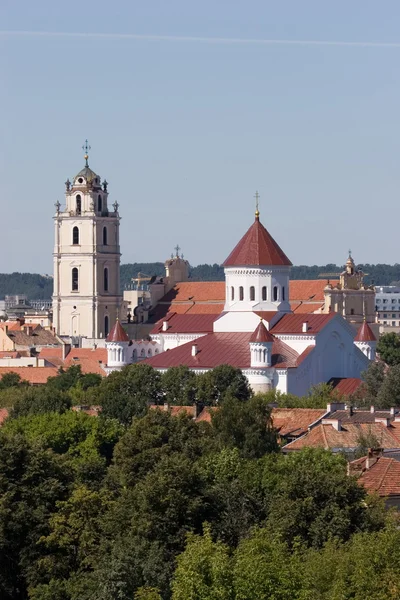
[
  {"x": 6, "y": 329},
  {"x": 305, "y": 327},
  {"x": 392, "y": 411},
  {"x": 166, "y": 407},
  {"x": 372, "y": 409},
  {"x": 165, "y": 326},
  {"x": 195, "y": 349},
  {"x": 334, "y": 422}
]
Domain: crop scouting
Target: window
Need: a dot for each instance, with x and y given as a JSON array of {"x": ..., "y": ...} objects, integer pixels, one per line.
[
  {"x": 104, "y": 236},
  {"x": 106, "y": 279},
  {"x": 75, "y": 236},
  {"x": 393, "y": 323},
  {"x": 252, "y": 293},
  {"x": 393, "y": 316},
  {"x": 99, "y": 203},
  {"x": 106, "y": 326},
  {"x": 385, "y": 316},
  {"x": 241, "y": 295},
  {"x": 232, "y": 293},
  {"x": 385, "y": 301},
  {"x": 75, "y": 279},
  {"x": 264, "y": 293},
  {"x": 78, "y": 204},
  {"x": 378, "y": 300},
  {"x": 275, "y": 293},
  {"x": 149, "y": 352},
  {"x": 143, "y": 353},
  {"x": 283, "y": 292},
  {"x": 352, "y": 311}
]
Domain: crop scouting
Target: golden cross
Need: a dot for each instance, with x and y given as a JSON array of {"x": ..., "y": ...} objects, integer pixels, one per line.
[
  {"x": 257, "y": 197},
  {"x": 86, "y": 148}
]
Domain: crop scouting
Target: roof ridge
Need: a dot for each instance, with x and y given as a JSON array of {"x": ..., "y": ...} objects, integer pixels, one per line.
[{"x": 324, "y": 436}]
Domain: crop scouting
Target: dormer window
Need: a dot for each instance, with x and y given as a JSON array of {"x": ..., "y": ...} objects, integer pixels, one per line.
[{"x": 80, "y": 180}]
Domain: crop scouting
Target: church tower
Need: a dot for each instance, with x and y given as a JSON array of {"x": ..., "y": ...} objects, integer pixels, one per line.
[{"x": 86, "y": 297}]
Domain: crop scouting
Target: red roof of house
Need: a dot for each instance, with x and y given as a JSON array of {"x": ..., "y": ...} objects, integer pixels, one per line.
[
  {"x": 196, "y": 291},
  {"x": 306, "y": 290},
  {"x": 292, "y": 323},
  {"x": 382, "y": 477},
  {"x": 9, "y": 354},
  {"x": 257, "y": 247},
  {"x": 197, "y": 323},
  {"x": 91, "y": 361},
  {"x": 221, "y": 348},
  {"x": 261, "y": 334},
  {"x": 365, "y": 334},
  {"x": 346, "y": 385},
  {"x": 35, "y": 375},
  {"x": 295, "y": 421},
  {"x": 4, "y": 412},
  {"x": 117, "y": 333}
]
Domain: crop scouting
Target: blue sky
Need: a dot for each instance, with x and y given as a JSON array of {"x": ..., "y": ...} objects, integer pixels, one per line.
[{"x": 185, "y": 130}]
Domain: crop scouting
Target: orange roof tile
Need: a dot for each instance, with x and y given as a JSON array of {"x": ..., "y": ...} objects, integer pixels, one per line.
[
  {"x": 91, "y": 361},
  {"x": 35, "y": 375},
  {"x": 382, "y": 477},
  {"x": 4, "y": 412},
  {"x": 196, "y": 291},
  {"x": 295, "y": 421},
  {"x": 306, "y": 290}
]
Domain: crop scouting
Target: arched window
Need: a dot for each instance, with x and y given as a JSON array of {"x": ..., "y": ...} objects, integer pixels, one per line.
[
  {"x": 352, "y": 311},
  {"x": 78, "y": 204},
  {"x": 156, "y": 351},
  {"x": 283, "y": 292},
  {"x": 142, "y": 353},
  {"x": 264, "y": 293},
  {"x": 252, "y": 293},
  {"x": 149, "y": 352},
  {"x": 106, "y": 279},
  {"x": 106, "y": 326},
  {"x": 104, "y": 236},
  {"x": 99, "y": 203},
  {"x": 232, "y": 293},
  {"x": 275, "y": 293},
  {"x": 241, "y": 295},
  {"x": 75, "y": 280},
  {"x": 75, "y": 236}
]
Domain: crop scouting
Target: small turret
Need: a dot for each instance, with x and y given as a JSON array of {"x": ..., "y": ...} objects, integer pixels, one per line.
[
  {"x": 261, "y": 347},
  {"x": 365, "y": 340},
  {"x": 117, "y": 343}
]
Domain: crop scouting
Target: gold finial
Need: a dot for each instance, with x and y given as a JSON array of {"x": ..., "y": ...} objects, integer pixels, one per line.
[
  {"x": 86, "y": 148},
  {"x": 257, "y": 197}
]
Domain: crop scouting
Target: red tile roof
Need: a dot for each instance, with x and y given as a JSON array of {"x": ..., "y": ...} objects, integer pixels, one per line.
[
  {"x": 311, "y": 290},
  {"x": 382, "y": 477},
  {"x": 326, "y": 436},
  {"x": 221, "y": 348},
  {"x": 294, "y": 422},
  {"x": 196, "y": 291},
  {"x": 261, "y": 334},
  {"x": 4, "y": 412},
  {"x": 91, "y": 361},
  {"x": 306, "y": 307},
  {"x": 293, "y": 323},
  {"x": 345, "y": 385},
  {"x": 117, "y": 333},
  {"x": 9, "y": 354},
  {"x": 365, "y": 334},
  {"x": 257, "y": 247},
  {"x": 197, "y": 323},
  {"x": 206, "y": 414},
  {"x": 35, "y": 375}
]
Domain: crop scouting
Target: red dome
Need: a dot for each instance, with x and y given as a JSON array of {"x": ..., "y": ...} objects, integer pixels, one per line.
[
  {"x": 257, "y": 247},
  {"x": 365, "y": 334},
  {"x": 117, "y": 334}
]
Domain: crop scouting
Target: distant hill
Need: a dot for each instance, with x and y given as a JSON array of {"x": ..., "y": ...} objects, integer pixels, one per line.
[{"x": 38, "y": 287}]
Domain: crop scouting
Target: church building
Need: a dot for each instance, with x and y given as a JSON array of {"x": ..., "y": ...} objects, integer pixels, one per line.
[
  {"x": 86, "y": 297},
  {"x": 257, "y": 330}
]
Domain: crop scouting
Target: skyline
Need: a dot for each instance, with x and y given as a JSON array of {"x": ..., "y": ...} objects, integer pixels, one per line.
[{"x": 189, "y": 110}]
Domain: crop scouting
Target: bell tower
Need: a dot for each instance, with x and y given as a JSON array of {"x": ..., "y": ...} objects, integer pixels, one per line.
[{"x": 86, "y": 296}]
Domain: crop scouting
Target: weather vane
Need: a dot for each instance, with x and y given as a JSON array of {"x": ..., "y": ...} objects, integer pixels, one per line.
[{"x": 86, "y": 148}]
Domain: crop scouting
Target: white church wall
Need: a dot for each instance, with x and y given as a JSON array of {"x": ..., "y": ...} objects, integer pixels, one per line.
[{"x": 240, "y": 281}]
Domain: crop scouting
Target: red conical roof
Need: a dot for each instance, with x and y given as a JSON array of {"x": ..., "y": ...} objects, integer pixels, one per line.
[
  {"x": 261, "y": 334},
  {"x": 257, "y": 247},
  {"x": 117, "y": 334},
  {"x": 365, "y": 334}
]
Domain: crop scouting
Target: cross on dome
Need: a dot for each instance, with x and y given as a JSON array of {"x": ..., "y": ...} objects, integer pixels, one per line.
[
  {"x": 86, "y": 148},
  {"x": 257, "y": 197},
  {"x": 177, "y": 248}
]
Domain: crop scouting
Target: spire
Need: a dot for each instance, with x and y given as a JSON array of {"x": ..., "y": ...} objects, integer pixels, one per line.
[
  {"x": 86, "y": 148},
  {"x": 257, "y": 197}
]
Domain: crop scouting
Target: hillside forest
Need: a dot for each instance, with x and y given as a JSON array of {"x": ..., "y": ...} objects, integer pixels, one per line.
[{"x": 40, "y": 287}]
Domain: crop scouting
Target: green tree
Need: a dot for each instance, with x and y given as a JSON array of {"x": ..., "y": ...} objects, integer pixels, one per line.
[
  {"x": 204, "y": 570},
  {"x": 126, "y": 394},
  {"x": 388, "y": 348},
  {"x": 32, "y": 480},
  {"x": 265, "y": 568},
  {"x": 147, "y": 593},
  {"x": 11, "y": 380},
  {"x": 246, "y": 426},
  {"x": 179, "y": 385},
  {"x": 224, "y": 380},
  {"x": 389, "y": 392},
  {"x": 373, "y": 379},
  {"x": 38, "y": 400},
  {"x": 310, "y": 498},
  {"x": 65, "y": 378}
]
